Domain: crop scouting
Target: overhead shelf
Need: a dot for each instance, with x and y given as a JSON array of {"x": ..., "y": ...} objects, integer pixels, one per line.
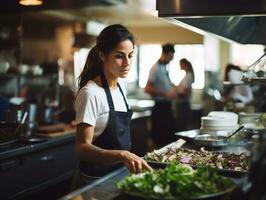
[
  {"x": 228, "y": 83},
  {"x": 257, "y": 80}
]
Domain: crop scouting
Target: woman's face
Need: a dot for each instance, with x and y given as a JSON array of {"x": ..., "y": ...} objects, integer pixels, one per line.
[{"x": 119, "y": 60}]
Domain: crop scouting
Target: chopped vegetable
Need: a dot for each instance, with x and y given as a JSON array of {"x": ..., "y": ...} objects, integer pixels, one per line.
[{"x": 220, "y": 160}]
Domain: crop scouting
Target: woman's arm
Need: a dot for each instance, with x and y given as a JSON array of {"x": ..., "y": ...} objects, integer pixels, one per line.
[{"x": 86, "y": 151}]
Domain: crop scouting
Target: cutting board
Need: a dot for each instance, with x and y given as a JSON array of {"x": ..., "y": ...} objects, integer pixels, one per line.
[{"x": 54, "y": 130}]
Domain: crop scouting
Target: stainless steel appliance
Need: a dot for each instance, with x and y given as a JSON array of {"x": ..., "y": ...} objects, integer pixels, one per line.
[{"x": 243, "y": 21}]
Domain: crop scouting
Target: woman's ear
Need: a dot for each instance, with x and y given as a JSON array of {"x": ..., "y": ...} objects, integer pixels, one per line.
[{"x": 101, "y": 56}]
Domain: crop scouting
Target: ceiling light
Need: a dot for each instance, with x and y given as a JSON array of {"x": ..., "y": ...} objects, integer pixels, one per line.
[{"x": 31, "y": 2}]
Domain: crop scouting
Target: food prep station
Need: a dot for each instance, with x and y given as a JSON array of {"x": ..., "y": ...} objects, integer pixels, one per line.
[
  {"x": 106, "y": 188},
  {"x": 34, "y": 157}
]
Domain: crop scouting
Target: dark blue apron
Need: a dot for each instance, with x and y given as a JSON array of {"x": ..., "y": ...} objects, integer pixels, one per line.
[{"x": 115, "y": 136}]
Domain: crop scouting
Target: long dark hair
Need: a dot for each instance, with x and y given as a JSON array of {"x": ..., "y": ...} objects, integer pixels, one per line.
[
  {"x": 189, "y": 67},
  {"x": 108, "y": 39}
]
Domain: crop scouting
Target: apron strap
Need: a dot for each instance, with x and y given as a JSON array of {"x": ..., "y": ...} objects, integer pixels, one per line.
[
  {"x": 123, "y": 96},
  {"x": 107, "y": 90},
  {"x": 108, "y": 93}
]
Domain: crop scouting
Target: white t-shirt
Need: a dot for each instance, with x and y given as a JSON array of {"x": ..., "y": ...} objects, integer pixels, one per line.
[
  {"x": 92, "y": 107},
  {"x": 184, "y": 85}
]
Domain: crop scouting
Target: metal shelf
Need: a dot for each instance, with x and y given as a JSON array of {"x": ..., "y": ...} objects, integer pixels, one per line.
[
  {"x": 228, "y": 83},
  {"x": 253, "y": 76},
  {"x": 257, "y": 80}
]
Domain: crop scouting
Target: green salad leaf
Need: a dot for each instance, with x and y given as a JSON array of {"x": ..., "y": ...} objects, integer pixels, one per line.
[{"x": 176, "y": 180}]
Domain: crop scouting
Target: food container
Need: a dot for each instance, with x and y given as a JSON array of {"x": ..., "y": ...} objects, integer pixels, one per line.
[
  {"x": 206, "y": 140},
  {"x": 202, "y": 140},
  {"x": 226, "y": 163}
]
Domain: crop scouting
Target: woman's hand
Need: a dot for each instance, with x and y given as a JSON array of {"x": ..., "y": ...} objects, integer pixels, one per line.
[{"x": 134, "y": 163}]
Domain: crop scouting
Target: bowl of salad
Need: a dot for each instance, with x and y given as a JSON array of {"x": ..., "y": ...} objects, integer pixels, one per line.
[{"x": 177, "y": 181}]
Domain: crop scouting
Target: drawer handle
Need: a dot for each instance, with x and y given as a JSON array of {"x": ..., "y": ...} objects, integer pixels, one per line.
[
  {"x": 8, "y": 164},
  {"x": 47, "y": 158}
]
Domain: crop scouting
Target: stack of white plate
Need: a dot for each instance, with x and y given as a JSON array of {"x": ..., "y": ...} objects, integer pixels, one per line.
[{"x": 219, "y": 121}]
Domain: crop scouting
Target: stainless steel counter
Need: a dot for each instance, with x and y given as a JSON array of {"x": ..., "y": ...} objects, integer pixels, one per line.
[
  {"x": 102, "y": 189},
  {"x": 19, "y": 148}
]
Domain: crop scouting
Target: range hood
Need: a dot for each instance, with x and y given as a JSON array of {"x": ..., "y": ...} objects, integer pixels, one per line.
[{"x": 243, "y": 21}]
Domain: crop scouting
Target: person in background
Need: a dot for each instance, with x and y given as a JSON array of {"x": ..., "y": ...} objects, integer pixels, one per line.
[
  {"x": 237, "y": 93},
  {"x": 163, "y": 92},
  {"x": 102, "y": 113},
  {"x": 184, "y": 92}
]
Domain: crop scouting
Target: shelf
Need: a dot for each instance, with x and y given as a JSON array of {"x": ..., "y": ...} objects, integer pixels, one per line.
[
  {"x": 228, "y": 83},
  {"x": 257, "y": 76},
  {"x": 258, "y": 80}
]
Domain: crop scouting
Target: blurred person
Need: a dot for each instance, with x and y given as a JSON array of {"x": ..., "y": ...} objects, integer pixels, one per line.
[
  {"x": 103, "y": 140},
  {"x": 184, "y": 92},
  {"x": 236, "y": 93},
  {"x": 163, "y": 92}
]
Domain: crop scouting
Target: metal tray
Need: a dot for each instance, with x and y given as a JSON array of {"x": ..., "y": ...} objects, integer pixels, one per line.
[
  {"x": 204, "y": 140},
  {"x": 223, "y": 172}
]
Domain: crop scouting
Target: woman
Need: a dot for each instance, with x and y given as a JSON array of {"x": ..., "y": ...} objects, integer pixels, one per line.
[
  {"x": 102, "y": 113},
  {"x": 184, "y": 91}
]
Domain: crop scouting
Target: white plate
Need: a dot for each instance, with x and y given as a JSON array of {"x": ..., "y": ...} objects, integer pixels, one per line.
[{"x": 212, "y": 121}]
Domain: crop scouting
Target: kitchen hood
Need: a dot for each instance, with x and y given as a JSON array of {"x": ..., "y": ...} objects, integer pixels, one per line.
[
  {"x": 245, "y": 30},
  {"x": 243, "y": 21}
]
